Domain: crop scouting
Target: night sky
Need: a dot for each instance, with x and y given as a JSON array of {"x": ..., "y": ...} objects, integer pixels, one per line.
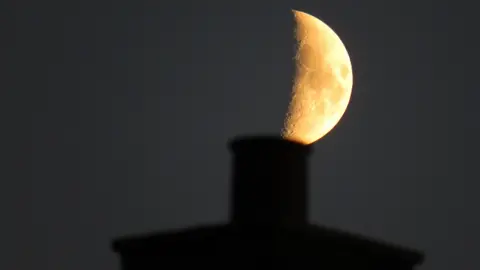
[{"x": 117, "y": 118}]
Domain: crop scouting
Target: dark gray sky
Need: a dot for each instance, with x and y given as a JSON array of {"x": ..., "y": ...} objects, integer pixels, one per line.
[{"x": 121, "y": 113}]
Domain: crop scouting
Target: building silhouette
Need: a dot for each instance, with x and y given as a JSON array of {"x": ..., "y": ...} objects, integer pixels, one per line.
[{"x": 268, "y": 225}]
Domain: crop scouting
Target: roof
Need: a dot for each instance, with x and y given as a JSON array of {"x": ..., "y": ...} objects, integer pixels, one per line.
[{"x": 314, "y": 241}]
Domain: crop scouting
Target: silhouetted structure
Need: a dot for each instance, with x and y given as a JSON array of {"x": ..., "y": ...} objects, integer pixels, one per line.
[{"x": 269, "y": 226}]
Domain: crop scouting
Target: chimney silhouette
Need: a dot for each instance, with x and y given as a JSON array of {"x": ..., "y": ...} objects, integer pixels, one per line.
[
  {"x": 268, "y": 226},
  {"x": 269, "y": 182}
]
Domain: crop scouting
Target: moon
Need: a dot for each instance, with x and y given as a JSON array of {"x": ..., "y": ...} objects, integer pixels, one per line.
[{"x": 322, "y": 84}]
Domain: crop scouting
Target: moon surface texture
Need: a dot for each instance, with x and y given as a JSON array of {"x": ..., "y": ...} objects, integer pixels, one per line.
[{"x": 323, "y": 81}]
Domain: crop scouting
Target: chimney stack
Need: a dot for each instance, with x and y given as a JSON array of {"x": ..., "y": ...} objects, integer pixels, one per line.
[
  {"x": 269, "y": 182},
  {"x": 269, "y": 227}
]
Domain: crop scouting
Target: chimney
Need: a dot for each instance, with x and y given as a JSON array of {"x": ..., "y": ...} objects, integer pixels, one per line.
[
  {"x": 270, "y": 176},
  {"x": 269, "y": 217}
]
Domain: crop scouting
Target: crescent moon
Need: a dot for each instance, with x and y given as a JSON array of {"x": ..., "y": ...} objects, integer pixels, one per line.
[{"x": 323, "y": 81}]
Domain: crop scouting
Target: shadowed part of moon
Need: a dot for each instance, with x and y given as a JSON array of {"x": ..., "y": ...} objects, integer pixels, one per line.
[{"x": 323, "y": 81}]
